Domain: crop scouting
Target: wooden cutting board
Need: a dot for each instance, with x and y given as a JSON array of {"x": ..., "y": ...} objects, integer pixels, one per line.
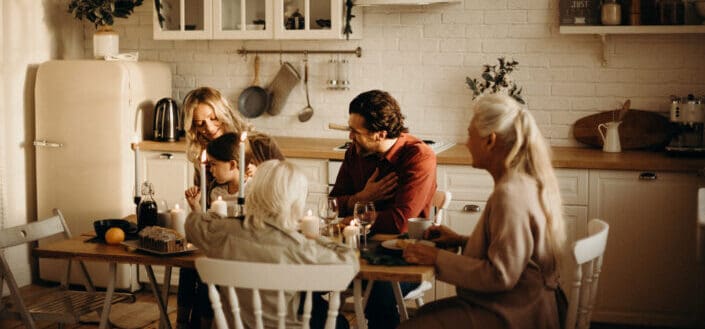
[{"x": 639, "y": 129}]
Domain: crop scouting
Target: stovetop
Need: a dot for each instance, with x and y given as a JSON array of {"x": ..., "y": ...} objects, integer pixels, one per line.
[{"x": 437, "y": 146}]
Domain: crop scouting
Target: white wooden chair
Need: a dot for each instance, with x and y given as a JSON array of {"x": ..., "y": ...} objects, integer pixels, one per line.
[
  {"x": 231, "y": 274},
  {"x": 441, "y": 201},
  {"x": 587, "y": 253},
  {"x": 60, "y": 305}
]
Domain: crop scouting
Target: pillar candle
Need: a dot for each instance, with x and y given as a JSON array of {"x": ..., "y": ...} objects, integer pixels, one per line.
[
  {"x": 203, "y": 181},
  {"x": 178, "y": 219},
  {"x": 241, "y": 166},
  {"x": 310, "y": 225},
  {"x": 219, "y": 207},
  {"x": 350, "y": 234}
]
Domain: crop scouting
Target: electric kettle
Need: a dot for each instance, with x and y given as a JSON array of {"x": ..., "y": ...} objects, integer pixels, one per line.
[{"x": 167, "y": 120}]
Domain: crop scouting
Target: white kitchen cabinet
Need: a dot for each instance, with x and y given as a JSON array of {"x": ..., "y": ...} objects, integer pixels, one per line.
[
  {"x": 650, "y": 275},
  {"x": 170, "y": 174},
  {"x": 183, "y": 20},
  {"x": 317, "y": 173},
  {"x": 254, "y": 19}
]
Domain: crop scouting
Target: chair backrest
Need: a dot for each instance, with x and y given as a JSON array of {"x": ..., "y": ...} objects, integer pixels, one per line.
[
  {"x": 31, "y": 232},
  {"x": 231, "y": 274},
  {"x": 441, "y": 201},
  {"x": 587, "y": 253},
  {"x": 22, "y": 234}
]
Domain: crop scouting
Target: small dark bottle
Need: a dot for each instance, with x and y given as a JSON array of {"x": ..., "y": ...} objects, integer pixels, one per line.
[{"x": 147, "y": 211}]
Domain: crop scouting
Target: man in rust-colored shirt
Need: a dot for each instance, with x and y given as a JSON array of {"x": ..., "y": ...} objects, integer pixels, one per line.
[
  {"x": 385, "y": 165},
  {"x": 391, "y": 168}
]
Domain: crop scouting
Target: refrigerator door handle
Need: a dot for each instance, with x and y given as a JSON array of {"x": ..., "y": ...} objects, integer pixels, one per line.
[{"x": 44, "y": 143}]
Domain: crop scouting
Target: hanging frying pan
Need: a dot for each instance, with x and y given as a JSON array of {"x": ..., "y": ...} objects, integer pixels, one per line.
[{"x": 254, "y": 100}]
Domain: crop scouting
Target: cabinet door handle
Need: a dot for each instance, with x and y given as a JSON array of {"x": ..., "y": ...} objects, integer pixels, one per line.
[
  {"x": 472, "y": 208},
  {"x": 44, "y": 143},
  {"x": 167, "y": 156},
  {"x": 648, "y": 176}
]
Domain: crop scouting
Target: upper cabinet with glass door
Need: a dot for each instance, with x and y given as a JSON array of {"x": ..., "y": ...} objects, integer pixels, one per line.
[
  {"x": 242, "y": 19},
  {"x": 255, "y": 19},
  {"x": 309, "y": 19},
  {"x": 183, "y": 19}
]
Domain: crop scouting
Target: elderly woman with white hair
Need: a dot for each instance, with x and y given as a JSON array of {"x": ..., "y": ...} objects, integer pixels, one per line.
[
  {"x": 275, "y": 202},
  {"x": 507, "y": 275}
]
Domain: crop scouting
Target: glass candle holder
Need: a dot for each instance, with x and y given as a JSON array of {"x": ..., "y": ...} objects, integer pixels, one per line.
[
  {"x": 332, "y": 81},
  {"x": 343, "y": 74}
]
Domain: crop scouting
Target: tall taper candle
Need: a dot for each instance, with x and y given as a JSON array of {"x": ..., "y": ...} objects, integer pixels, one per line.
[
  {"x": 136, "y": 148},
  {"x": 242, "y": 168},
  {"x": 203, "y": 181}
]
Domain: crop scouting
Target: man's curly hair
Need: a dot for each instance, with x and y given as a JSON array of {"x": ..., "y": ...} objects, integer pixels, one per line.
[{"x": 381, "y": 112}]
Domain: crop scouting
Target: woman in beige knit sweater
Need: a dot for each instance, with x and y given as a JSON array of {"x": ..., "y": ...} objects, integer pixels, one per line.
[{"x": 507, "y": 275}]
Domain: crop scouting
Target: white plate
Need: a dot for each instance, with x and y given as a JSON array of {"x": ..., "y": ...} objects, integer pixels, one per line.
[
  {"x": 136, "y": 244},
  {"x": 392, "y": 244}
]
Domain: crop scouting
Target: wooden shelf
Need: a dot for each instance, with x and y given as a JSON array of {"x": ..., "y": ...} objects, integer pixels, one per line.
[
  {"x": 602, "y": 31},
  {"x": 632, "y": 29}
]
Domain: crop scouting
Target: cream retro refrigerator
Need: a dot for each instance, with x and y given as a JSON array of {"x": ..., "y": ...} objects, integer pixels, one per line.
[{"x": 87, "y": 112}]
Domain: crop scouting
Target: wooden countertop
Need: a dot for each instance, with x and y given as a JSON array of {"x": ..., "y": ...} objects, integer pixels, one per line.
[{"x": 563, "y": 157}]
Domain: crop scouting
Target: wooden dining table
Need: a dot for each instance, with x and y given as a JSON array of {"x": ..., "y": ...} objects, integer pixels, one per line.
[{"x": 80, "y": 248}]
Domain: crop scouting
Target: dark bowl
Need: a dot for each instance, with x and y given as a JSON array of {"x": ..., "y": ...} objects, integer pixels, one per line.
[{"x": 101, "y": 226}]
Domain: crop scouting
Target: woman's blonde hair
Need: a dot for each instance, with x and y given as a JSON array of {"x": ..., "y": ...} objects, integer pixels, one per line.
[
  {"x": 277, "y": 193},
  {"x": 528, "y": 153},
  {"x": 229, "y": 119}
]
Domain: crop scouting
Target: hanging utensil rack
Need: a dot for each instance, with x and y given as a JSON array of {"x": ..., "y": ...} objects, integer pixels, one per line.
[{"x": 242, "y": 51}]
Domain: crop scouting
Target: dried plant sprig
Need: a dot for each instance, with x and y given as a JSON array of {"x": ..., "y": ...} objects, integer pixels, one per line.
[{"x": 496, "y": 79}]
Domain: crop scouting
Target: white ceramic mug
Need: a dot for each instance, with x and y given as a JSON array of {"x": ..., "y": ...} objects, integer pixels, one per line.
[
  {"x": 610, "y": 137},
  {"x": 417, "y": 226}
]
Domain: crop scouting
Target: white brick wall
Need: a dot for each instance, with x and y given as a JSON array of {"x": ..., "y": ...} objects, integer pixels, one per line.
[{"x": 423, "y": 54}]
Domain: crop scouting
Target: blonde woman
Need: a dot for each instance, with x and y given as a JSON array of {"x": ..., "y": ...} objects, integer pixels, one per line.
[
  {"x": 507, "y": 275},
  {"x": 208, "y": 116},
  {"x": 276, "y": 199}
]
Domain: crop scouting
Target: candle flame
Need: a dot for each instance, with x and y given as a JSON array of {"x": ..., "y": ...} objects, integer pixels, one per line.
[
  {"x": 220, "y": 198},
  {"x": 243, "y": 137},
  {"x": 177, "y": 207},
  {"x": 203, "y": 156},
  {"x": 309, "y": 212}
]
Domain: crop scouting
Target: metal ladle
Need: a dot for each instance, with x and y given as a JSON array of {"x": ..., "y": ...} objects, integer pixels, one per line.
[{"x": 307, "y": 112}]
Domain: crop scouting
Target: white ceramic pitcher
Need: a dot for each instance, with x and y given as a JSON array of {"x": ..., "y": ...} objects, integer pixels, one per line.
[{"x": 610, "y": 136}]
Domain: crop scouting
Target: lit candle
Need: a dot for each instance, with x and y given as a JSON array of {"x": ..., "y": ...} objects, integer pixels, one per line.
[
  {"x": 178, "y": 219},
  {"x": 136, "y": 148},
  {"x": 309, "y": 225},
  {"x": 203, "y": 181},
  {"x": 219, "y": 207},
  {"x": 350, "y": 234},
  {"x": 242, "y": 168}
]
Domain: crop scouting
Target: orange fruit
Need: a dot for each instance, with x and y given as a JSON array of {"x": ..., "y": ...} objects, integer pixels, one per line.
[{"x": 114, "y": 235}]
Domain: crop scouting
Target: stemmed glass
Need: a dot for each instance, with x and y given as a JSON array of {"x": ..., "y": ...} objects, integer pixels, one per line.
[
  {"x": 365, "y": 215},
  {"x": 328, "y": 210}
]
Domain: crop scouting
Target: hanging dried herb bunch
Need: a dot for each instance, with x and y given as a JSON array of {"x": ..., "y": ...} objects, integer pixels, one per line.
[
  {"x": 496, "y": 79},
  {"x": 102, "y": 12},
  {"x": 348, "y": 17}
]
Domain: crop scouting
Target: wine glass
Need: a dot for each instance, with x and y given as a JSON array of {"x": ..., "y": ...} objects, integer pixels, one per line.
[
  {"x": 370, "y": 215},
  {"x": 328, "y": 210},
  {"x": 365, "y": 215}
]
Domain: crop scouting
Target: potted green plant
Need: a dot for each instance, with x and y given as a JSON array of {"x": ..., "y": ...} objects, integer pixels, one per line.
[
  {"x": 495, "y": 79},
  {"x": 102, "y": 13}
]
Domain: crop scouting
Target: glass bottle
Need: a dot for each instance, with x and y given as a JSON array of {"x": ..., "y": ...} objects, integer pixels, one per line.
[
  {"x": 611, "y": 13},
  {"x": 147, "y": 213}
]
